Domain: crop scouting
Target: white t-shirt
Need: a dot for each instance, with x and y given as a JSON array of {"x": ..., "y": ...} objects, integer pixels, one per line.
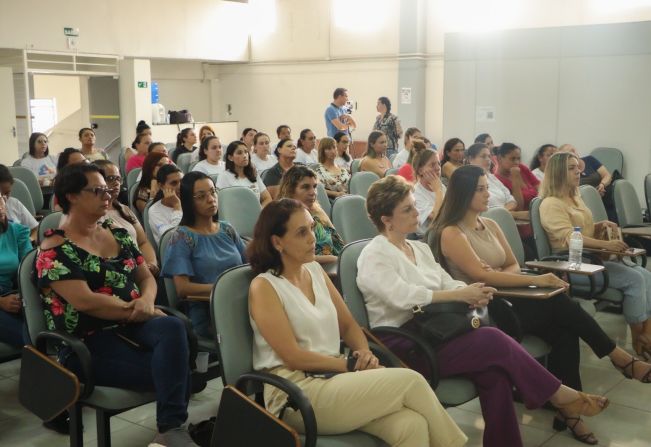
[
  {"x": 42, "y": 167},
  {"x": 401, "y": 158},
  {"x": 162, "y": 218},
  {"x": 17, "y": 213},
  {"x": 539, "y": 174},
  {"x": 306, "y": 159},
  {"x": 339, "y": 161},
  {"x": 425, "y": 201},
  {"x": 228, "y": 179},
  {"x": 263, "y": 165},
  {"x": 210, "y": 169},
  {"x": 499, "y": 194}
]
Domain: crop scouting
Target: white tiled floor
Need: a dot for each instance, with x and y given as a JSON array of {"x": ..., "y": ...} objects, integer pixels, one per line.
[{"x": 626, "y": 423}]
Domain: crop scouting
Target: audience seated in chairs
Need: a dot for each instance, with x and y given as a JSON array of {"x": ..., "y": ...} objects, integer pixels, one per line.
[
  {"x": 376, "y": 159},
  {"x": 210, "y": 156},
  {"x": 16, "y": 211},
  {"x": 201, "y": 248},
  {"x": 94, "y": 284},
  {"x": 285, "y": 152},
  {"x": 298, "y": 318},
  {"x": 429, "y": 190},
  {"x": 561, "y": 210},
  {"x": 14, "y": 245},
  {"x": 261, "y": 157},
  {"x": 334, "y": 178},
  {"x": 122, "y": 217},
  {"x": 396, "y": 274},
  {"x": 143, "y": 141},
  {"x": 299, "y": 183},
  {"x": 148, "y": 186},
  {"x": 240, "y": 172},
  {"x": 165, "y": 212},
  {"x": 39, "y": 160},
  {"x": 540, "y": 158},
  {"x": 87, "y": 139},
  {"x": 141, "y": 129},
  {"x": 411, "y": 134},
  {"x": 306, "y": 152},
  {"x": 453, "y": 156},
  {"x": 474, "y": 249},
  {"x": 406, "y": 171},
  {"x": 343, "y": 159},
  {"x": 185, "y": 143}
]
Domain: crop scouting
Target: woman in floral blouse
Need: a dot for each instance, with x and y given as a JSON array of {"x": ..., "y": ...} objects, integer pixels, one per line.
[
  {"x": 95, "y": 285},
  {"x": 299, "y": 183},
  {"x": 334, "y": 178},
  {"x": 388, "y": 123}
]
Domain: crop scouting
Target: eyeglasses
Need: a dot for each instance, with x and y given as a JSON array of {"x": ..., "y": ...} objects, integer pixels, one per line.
[
  {"x": 100, "y": 191},
  {"x": 212, "y": 192},
  {"x": 113, "y": 179}
]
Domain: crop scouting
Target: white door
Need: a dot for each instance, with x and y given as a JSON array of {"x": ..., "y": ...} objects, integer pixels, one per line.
[{"x": 8, "y": 140}]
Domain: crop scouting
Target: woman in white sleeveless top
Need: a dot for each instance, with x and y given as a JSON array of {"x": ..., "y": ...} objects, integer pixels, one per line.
[{"x": 298, "y": 318}]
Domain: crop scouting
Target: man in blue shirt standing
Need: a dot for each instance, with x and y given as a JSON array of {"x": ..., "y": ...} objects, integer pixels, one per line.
[{"x": 337, "y": 118}]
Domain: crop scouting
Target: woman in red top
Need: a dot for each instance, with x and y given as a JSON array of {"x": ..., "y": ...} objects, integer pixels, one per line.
[
  {"x": 406, "y": 171},
  {"x": 516, "y": 176}
]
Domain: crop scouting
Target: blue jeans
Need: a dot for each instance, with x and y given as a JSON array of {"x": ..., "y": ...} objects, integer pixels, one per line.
[
  {"x": 160, "y": 364},
  {"x": 634, "y": 282},
  {"x": 12, "y": 329},
  {"x": 199, "y": 314}
]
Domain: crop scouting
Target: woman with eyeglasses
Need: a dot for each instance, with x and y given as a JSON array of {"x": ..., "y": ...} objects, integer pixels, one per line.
[
  {"x": 201, "y": 248},
  {"x": 94, "y": 285},
  {"x": 39, "y": 160},
  {"x": 123, "y": 217}
]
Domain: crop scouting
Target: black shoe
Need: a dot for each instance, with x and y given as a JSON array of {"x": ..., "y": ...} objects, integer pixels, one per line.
[{"x": 60, "y": 424}]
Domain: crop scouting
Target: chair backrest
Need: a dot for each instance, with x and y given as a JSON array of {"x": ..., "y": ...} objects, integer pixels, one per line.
[
  {"x": 647, "y": 193},
  {"x": 360, "y": 182},
  {"x": 543, "y": 248},
  {"x": 391, "y": 171},
  {"x": 229, "y": 307},
  {"x": 49, "y": 222},
  {"x": 132, "y": 176},
  {"x": 170, "y": 288},
  {"x": 347, "y": 276},
  {"x": 183, "y": 162},
  {"x": 351, "y": 220},
  {"x": 323, "y": 199},
  {"x": 354, "y": 166},
  {"x": 20, "y": 192},
  {"x": 147, "y": 227},
  {"x": 122, "y": 165},
  {"x": 593, "y": 201},
  {"x": 31, "y": 181},
  {"x": 506, "y": 222},
  {"x": 192, "y": 165},
  {"x": 32, "y": 303},
  {"x": 239, "y": 206},
  {"x": 214, "y": 178},
  {"x": 610, "y": 157},
  {"x": 170, "y": 147},
  {"x": 627, "y": 204}
]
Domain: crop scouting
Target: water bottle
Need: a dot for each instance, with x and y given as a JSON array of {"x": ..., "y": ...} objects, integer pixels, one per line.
[{"x": 576, "y": 248}]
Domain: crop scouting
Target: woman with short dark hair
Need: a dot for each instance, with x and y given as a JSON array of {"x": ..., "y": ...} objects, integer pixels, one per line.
[{"x": 87, "y": 139}]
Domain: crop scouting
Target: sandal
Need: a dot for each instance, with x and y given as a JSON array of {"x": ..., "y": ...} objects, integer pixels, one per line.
[
  {"x": 585, "y": 404},
  {"x": 642, "y": 347},
  {"x": 646, "y": 378},
  {"x": 561, "y": 422}
]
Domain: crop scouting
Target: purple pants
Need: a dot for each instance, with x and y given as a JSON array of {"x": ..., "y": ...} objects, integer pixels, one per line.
[{"x": 495, "y": 363}]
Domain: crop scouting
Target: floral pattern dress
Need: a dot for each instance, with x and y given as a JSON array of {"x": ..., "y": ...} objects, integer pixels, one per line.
[
  {"x": 333, "y": 182},
  {"x": 110, "y": 276},
  {"x": 328, "y": 241}
]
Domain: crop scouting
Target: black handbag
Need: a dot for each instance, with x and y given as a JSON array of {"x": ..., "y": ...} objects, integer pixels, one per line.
[{"x": 441, "y": 322}]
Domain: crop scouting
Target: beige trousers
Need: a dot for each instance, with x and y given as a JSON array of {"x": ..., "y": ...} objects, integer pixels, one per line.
[{"x": 395, "y": 404}]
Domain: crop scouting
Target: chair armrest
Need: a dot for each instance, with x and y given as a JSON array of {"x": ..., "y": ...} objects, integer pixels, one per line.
[
  {"x": 295, "y": 399},
  {"x": 594, "y": 259},
  {"x": 420, "y": 342},
  {"x": 79, "y": 349}
]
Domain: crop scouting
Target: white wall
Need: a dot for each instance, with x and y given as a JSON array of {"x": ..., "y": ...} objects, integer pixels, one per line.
[
  {"x": 66, "y": 90},
  {"x": 189, "y": 29}
]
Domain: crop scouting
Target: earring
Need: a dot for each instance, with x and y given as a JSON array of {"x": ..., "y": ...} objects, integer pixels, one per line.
[{"x": 390, "y": 227}]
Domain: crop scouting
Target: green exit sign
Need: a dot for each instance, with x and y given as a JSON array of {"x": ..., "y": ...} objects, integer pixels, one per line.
[
  {"x": 71, "y": 32},
  {"x": 142, "y": 84}
]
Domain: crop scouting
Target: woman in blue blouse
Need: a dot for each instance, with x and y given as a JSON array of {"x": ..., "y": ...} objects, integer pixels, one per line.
[
  {"x": 14, "y": 245},
  {"x": 201, "y": 248}
]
